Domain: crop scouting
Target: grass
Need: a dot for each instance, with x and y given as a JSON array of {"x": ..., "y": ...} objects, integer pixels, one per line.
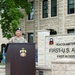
[{"x": 2, "y": 64}]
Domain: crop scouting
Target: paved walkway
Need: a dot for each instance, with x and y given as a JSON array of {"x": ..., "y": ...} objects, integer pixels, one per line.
[
  {"x": 2, "y": 73},
  {"x": 2, "y": 70}
]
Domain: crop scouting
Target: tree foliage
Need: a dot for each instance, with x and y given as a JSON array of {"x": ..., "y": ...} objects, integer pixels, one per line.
[{"x": 10, "y": 14}]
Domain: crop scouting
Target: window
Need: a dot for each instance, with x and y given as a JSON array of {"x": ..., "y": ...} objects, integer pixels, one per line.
[
  {"x": 53, "y": 32},
  {"x": 70, "y": 31},
  {"x": 31, "y": 15},
  {"x": 30, "y": 37},
  {"x": 45, "y": 9},
  {"x": 53, "y": 8},
  {"x": 70, "y": 6},
  {"x": 40, "y": 72}
]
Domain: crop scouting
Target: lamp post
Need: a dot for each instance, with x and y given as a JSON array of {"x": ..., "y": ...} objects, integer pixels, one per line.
[{"x": 24, "y": 35}]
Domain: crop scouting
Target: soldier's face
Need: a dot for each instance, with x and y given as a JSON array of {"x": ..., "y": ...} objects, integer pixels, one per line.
[{"x": 18, "y": 33}]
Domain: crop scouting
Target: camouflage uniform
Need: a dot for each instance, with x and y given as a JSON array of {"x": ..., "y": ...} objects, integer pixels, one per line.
[{"x": 17, "y": 40}]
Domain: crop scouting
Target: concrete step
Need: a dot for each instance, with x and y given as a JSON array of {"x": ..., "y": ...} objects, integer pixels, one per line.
[{"x": 2, "y": 70}]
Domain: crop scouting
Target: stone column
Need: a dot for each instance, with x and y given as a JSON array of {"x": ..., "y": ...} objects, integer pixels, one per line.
[
  {"x": 41, "y": 47},
  {"x": 61, "y": 16},
  {"x": 22, "y": 21},
  {"x": 36, "y": 18}
]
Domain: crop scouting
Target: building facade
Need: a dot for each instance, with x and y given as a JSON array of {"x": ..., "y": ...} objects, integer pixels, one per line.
[{"x": 58, "y": 16}]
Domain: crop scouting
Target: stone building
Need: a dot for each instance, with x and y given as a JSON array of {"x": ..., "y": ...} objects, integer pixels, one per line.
[{"x": 58, "y": 16}]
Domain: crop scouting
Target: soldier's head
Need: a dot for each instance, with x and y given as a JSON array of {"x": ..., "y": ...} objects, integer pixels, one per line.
[{"x": 18, "y": 32}]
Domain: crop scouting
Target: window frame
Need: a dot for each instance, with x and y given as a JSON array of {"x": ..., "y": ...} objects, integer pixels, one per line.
[
  {"x": 32, "y": 3},
  {"x": 69, "y": 4},
  {"x": 29, "y": 37},
  {"x": 68, "y": 31},
  {"x": 53, "y": 7},
  {"x": 43, "y": 9}
]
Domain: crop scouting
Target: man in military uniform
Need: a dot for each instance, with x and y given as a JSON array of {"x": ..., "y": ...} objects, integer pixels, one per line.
[{"x": 18, "y": 38}]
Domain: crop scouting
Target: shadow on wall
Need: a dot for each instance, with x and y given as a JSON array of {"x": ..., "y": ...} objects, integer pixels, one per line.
[{"x": 52, "y": 31}]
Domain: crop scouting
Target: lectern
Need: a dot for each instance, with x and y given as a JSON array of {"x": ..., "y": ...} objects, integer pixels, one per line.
[{"x": 20, "y": 59}]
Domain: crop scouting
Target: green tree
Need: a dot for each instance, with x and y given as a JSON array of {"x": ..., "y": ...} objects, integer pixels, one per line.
[{"x": 10, "y": 14}]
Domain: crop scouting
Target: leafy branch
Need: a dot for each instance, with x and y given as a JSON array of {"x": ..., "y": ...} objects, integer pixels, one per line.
[{"x": 10, "y": 14}]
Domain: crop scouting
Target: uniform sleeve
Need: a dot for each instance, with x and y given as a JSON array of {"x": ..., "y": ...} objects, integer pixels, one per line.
[
  {"x": 11, "y": 40},
  {"x": 25, "y": 41}
]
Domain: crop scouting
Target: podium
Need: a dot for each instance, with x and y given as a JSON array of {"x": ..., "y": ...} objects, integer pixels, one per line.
[{"x": 20, "y": 59}]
